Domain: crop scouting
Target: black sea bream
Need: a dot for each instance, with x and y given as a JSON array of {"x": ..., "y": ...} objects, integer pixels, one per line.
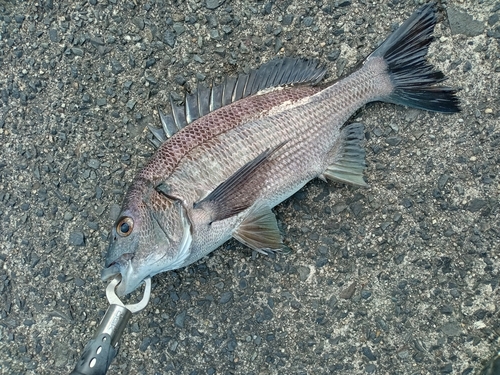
[{"x": 251, "y": 143}]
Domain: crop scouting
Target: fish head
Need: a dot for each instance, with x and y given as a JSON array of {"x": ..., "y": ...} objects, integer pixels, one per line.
[{"x": 151, "y": 235}]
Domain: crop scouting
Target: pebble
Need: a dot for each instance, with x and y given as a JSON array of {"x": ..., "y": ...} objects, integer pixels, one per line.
[
  {"x": 493, "y": 19},
  {"x": 94, "y": 163},
  {"x": 451, "y": 329},
  {"x": 213, "y": 4},
  {"x": 77, "y": 51},
  {"x": 19, "y": 18},
  {"x": 443, "y": 179},
  {"x": 131, "y": 104},
  {"x": 476, "y": 204},
  {"x": 334, "y": 55},
  {"x": 462, "y": 23},
  {"x": 287, "y": 19},
  {"x": 54, "y": 36},
  {"x": 308, "y": 21},
  {"x": 303, "y": 272},
  {"x": 179, "y": 28},
  {"x": 116, "y": 67},
  {"x": 226, "y": 297},
  {"x": 180, "y": 319},
  {"x": 77, "y": 238}
]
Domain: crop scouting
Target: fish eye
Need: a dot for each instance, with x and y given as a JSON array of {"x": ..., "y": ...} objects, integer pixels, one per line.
[{"x": 125, "y": 226}]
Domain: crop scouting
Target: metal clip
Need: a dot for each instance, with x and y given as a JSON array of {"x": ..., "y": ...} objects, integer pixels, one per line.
[{"x": 134, "y": 308}]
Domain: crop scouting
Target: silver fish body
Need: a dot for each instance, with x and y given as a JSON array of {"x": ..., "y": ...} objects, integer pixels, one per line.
[{"x": 220, "y": 176}]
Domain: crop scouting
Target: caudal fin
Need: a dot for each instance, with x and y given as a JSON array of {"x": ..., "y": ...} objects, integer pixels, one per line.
[{"x": 413, "y": 78}]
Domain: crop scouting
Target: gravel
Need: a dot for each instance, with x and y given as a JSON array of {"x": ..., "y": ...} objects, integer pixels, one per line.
[{"x": 401, "y": 276}]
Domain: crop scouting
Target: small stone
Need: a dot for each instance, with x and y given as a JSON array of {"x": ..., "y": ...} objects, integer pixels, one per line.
[
  {"x": 77, "y": 51},
  {"x": 225, "y": 297},
  {"x": 344, "y": 3},
  {"x": 303, "y": 273},
  {"x": 145, "y": 343},
  {"x": 403, "y": 354},
  {"x": 348, "y": 292},
  {"x": 94, "y": 163},
  {"x": 131, "y": 104},
  {"x": 287, "y": 19},
  {"x": 370, "y": 368},
  {"x": 407, "y": 203},
  {"x": 493, "y": 19},
  {"x": 150, "y": 62},
  {"x": 116, "y": 67},
  {"x": 29, "y": 322},
  {"x": 334, "y": 55},
  {"x": 476, "y": 204},
  {"x": 368, "y": 353},
  {"x": 451, "y": 329},
  {"x": 214, "y": 34},
  {"x": 198, "y": 59},
  {"x": 365, "y": 294},
  {"x": 19, "y": 18},
  {"x": 180, "y": 319},
  {"x": 77, "y": 238},
  {"x": 463, "y": 23},
  {"x": 212, "y": 21},
  {"x": 443, "y": 179},
  {"x": 308, "y": 21},
  {"x": 68, "y": 216},
  {"x": 179, "y": 28},
  {"x": 447, "y": 369},
  {"x": 53, "y": 36},
  {"x": 321, "y": 262},
  {"x": 397, "y": 218},
  {"x": 213, "y": 4},
  {"x": 393, "y": 141},
  {"x": 221, "y": 51},
  {"x": 267, "y": 8}
]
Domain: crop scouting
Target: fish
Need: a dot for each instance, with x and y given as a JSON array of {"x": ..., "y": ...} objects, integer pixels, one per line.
[{"x": 233, "y": 152}]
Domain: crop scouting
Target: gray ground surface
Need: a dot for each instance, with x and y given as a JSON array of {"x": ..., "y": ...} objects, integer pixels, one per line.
[{"x": 400, "y": 278}]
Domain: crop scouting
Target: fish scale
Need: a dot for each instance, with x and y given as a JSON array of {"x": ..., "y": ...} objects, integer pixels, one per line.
[
  {"x": 219, "y": 175},
  {"x": 310, "y": 129}
]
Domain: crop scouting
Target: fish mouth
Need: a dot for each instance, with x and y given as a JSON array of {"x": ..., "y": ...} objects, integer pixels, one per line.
[
  {"x": 109, "y": 272},
  {"x": 122, "y": 266}
]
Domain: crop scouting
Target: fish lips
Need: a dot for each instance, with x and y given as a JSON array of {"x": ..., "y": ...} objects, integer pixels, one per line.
[{"x": 129, "y": 279}]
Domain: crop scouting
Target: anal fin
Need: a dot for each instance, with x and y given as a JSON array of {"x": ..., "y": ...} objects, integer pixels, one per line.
[
  {"x": 349, "y": 165},
  {"x": 259, "y": 231}
]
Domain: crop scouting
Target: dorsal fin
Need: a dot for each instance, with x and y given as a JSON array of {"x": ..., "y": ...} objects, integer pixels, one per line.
[{"x": 275, "y": 73}]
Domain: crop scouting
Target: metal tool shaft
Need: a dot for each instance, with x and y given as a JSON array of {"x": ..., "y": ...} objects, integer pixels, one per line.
[{"x": 102, "y": 349}]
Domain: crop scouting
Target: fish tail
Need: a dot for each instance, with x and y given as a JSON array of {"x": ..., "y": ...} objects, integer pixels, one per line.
[{"x": 413, "y": 78}]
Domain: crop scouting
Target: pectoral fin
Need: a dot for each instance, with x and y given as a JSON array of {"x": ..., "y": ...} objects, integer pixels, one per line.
[
  {"x": 259, "y": 231},
  {"x": 228, "y": 199},
  {"x": 349, "y": 164}
]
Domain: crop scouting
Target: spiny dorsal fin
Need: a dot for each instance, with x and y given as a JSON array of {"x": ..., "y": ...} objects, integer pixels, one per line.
[
  {"x": 259, "y": 231},
  {"x": 204, "y": 100},
  {"x": 227, "y": 200},
  {"x": 350, "y": 164}
]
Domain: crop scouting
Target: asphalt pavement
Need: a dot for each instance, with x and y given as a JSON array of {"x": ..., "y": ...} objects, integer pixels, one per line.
[{"x": 398, "y": 278}]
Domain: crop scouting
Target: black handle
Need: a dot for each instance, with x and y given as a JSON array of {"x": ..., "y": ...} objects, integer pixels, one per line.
[{"x": 97, "y": 356}]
